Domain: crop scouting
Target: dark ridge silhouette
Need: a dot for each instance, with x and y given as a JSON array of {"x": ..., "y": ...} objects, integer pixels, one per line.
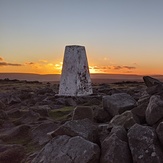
[{"x": 99, "y": 78}]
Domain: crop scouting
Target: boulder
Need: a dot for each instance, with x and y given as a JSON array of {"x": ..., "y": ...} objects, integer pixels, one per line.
[
  {"x": 29, "y": 117},
  {"x": 11, "y": 153},
  {"x": 143, "y": 145},
  {"x": 114, "y": 91},
  {"x": 115, "y": 150},
  {"x": 66, "y": 101},
  {"x": 154, "y": 111},
  {"x": 100, "y": 115},
  {"x": 30, "y": 157},
  {"x": 84, "y": 128},
  {"x": 39, "y": 133},
  {"x": 139, "y": 111},
  {"x": 144, "y": 97},
  {"x": 103, "y": 131},
  {"x": 7, "y": 125},
  {"x": 103, "y": 88},
  {"x": 16, "y": 113},
  {"x": 43, "y": 110},
  {"x": 13, "y": 100},
  {"x": 44, "y": 91},
  {"x": 70, "y": 150},
  {"x": 60, "y": 101},
  {"x": 154, "y": 85},
  {"x": 2, "y": 105},
  {"x": 91, "y": 101},
  {"x": 25, "y": 94},
  {"x": 126, "y": 119},
  {"x": 150, "y": 82},
  {"x": 3, "y": 115},
  {"x": 159, "y": 132},
  {"x": 18, "y": 132},
  {"x": 118, "y": 103},
  {"x": 1, "y": 122},
  {"x": 82, "y": 112},
  {"x": 156, "y": 89},
  {"x": 70, "y": 102},
  {"x": 120, "y": 132}
]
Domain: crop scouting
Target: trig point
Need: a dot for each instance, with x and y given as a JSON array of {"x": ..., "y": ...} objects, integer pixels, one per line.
[{"x": 75, "y": 77}]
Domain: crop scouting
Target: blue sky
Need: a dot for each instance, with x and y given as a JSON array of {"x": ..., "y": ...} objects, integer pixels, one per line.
[{"x": 115, "y": 33}]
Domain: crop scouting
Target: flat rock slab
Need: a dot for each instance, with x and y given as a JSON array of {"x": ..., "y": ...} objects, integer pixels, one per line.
[
  {"x": 82, "y": 112},
  {"x": 84, "y": 128},
  {"x": 39, "y": 133},
  {"x": 118, "y": 103},
  {"x": 69, "y": 150},
  {"x": 126, "y": 119}
]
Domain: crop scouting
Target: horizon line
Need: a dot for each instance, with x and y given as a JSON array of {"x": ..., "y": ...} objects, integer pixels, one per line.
[{"x": 90, "y": 74}]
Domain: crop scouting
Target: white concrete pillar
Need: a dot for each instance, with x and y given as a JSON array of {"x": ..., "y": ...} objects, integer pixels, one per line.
[{"x": 75, "y": 77}]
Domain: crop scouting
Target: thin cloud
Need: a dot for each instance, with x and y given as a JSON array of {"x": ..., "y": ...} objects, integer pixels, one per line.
[
  {"x": 117, "y": 67},
  {"x": 29, "y": 63},
  {"x": 129, "y": 72},
  {"x": 110, "y": 68},
  {"x": 106, "y": 67},
  {"x": 43, "y": 60},
  {"x": 9, "y": 64},
  {"x": 123, "y": 67},
  {"x": 129, "y": 67},
  {"x": 95, "y": 67}
]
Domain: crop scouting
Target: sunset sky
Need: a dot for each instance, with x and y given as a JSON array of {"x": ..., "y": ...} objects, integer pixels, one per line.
[{"x": 120, "y": 36}]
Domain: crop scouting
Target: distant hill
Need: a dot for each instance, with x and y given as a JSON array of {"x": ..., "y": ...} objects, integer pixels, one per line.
[
  {"x": 30, "y": 77},
  {"x": 105, "y": 78}
]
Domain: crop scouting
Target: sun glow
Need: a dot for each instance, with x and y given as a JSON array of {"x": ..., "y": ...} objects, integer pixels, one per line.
[
  {"x": 55, "y": 67},
  {"x": 94, "y": 69}
]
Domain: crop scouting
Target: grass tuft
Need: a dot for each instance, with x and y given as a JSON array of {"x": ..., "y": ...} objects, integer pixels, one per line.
[{"x": 61, "y": 114}]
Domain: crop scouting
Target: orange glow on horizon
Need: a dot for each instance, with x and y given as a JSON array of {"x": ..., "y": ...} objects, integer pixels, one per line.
[{"x": 53, "y": 67}]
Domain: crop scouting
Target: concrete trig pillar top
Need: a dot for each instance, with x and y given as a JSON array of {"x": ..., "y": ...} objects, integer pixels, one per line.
[{"x": 75, "y": 77}]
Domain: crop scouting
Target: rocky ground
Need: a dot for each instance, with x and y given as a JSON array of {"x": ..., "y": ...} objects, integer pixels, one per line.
[{"x": 119, "y": 123}]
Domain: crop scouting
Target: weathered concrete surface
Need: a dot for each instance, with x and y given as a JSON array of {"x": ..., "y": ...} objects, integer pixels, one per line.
[{"x": 75, "y": 78}]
